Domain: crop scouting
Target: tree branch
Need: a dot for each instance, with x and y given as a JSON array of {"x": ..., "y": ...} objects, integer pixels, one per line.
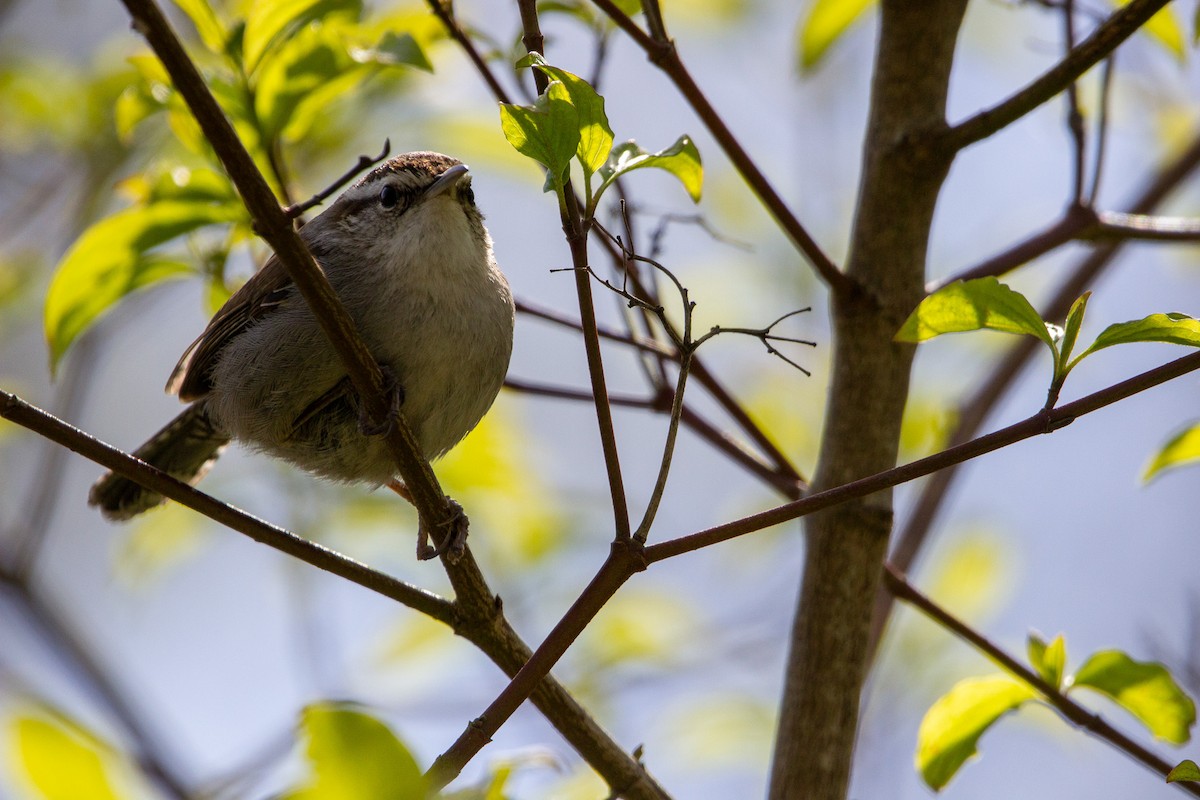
[
  {"x": 912, "y": 536},
  {"x": 1044, "y": 421},
  {"x": 17, "y": 410},
  {"x": 663, "y": 54},
  {"x": 576, "y": 235},
  {"x": 1122, "y": 24},
  {"x": 1078, "y": 715}
]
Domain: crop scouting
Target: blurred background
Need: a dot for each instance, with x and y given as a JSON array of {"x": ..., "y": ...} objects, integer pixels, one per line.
[{"x": 215, "y": 643}]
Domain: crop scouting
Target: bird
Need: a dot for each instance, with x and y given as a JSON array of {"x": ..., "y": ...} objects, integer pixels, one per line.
[{"x": 406, "y": 250}]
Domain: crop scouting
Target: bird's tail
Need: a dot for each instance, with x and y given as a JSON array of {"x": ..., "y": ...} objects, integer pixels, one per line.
[{"x": 185, "y": 449}]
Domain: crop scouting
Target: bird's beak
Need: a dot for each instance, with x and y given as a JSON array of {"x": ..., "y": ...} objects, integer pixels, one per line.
[{"x": 446, "y": 180}]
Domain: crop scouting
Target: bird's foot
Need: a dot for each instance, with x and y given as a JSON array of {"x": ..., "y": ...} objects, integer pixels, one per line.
[{"x": 395, "y": 395}]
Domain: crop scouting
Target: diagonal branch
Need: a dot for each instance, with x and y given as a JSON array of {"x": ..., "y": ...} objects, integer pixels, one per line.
[
  {"x": 17, "y": 410},
  {"x": 1045, "y": 421},
  {"x": 1090, "y": 721},
  {"x": 911, "y": 537},
  {"x": 1123, "y": 23},
  {"x": 474, "y": 615},
  {"x": 663, "y": 54}
]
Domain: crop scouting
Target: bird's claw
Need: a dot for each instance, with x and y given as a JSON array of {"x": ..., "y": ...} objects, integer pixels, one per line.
[
  {"x": 395, "y": 394},
  {"x": 454, "y": 543}
]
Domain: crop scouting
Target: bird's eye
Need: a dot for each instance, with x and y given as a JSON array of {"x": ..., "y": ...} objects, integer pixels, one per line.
[
  {"x": 469, "y": 196},
  {"x": 389, "y": 196}
]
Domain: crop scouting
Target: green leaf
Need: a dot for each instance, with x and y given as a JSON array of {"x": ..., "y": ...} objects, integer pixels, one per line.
[
  {"x": 394, "y": 50},
  {"x": 1164, "y": 28},
  {"x": 595, "y": 135},
  {"x": 1185, "y": 770},
  {"x": 547, "y": 131},
  {"x": 1168, "y": 328},
  {"x": 826, "y": 22},
  {"x": 1183, "y": 448},
  {"x": 953, "y": 725},
  {"x": 984, "y": 303},
  {"x": 210, "y": 28},
  {"x": 269, "y": 20},
  {"x": 134, "y": 105},
  {"x": 1071, "y": 328},
  {"x": 62, "y": 761},
  {"x": 311, "y": 67},
  {"x": 681, "y": 159},
  {"x": 1048, "y": 660},
  {"x": 1144, "y": 689},
  {"x": 354, "y": 756},
  {"x": 110, "y": 260}
]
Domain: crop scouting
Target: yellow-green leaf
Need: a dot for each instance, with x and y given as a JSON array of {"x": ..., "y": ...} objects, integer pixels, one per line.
[
  {"x": 984, "y": 303},
  {"x": 827, "y": 20},
  {"x": 268, "y": 20},
  {"x": 547, "y": 131},
  {"x": 595, "y": 135},
  {"x": 1145, "y": 689},
  {"x": 1049, "y": 660},
  {"x": 1183, "y": 448},
  {"x": 1166, "y": 328},
  {"x": 953, "y": 725},
  {"x": 210, "y": 28},
  {"x": 1165, "y": 29},
  {"x": 62, "y": 761},
  {"x": 111, "y": 259},
  {"x": 1185, "y": 770},
  {"x": 354, "y": 756},
  {"x": 681, "y": 159}
]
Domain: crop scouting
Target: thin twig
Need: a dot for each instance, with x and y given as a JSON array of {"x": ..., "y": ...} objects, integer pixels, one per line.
[
  {"x": 1145, "y": 227},
  {"x": 625, "y": 559},
  {"x": 1106, "y": 74},
  {"x": 1078, "y": 715},
  {"x": 910, "y": 539},
  {"x": 1074, "y": 115},
  {"x": 1045, "y": 421},
  {"x": 17, "y": 410},
  {"x": 576, "y": 236},
  {"x": 662, "y": 53},
  {"x": 1122, "y": 24},
  {"x": 582, "y": 395},
  {"x": 364, "y": 162}
]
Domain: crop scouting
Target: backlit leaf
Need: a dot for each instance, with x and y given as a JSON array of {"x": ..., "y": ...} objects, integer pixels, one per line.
[
  {"x": 952, "y": 727},
  {"x": 268, "y": 21},
  {"x": 1167, "y": 328},
  {"x": 1181, "y": 449},
  {"x": 62, "y": 761},
  {"x": 827, "y": 20},
  {"x": 547, "y": 131},
  {"x": 595, "y": 135},
  {"x": 1144, "y": 689},
  {"x": 1185, "y": 770},
  {"x": 354, "y": 756},
  {"x": 1049, "y": 660},
  {"x": 984, "y": 303},
  {"x": 111, "y": 259},
  {"x": 681, "y": 159},
  {"x": 210, "y": 28},
  {"x": 1164, "y": 28}
]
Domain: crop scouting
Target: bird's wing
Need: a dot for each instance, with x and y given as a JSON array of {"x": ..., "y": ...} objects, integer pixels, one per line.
[{"x": 259, "y": 296}]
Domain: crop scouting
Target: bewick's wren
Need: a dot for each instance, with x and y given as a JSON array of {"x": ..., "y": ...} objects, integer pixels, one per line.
[{"x": 406, "y": 251}]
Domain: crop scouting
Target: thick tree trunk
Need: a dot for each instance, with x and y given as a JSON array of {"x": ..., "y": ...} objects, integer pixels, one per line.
[{"x": 903, "y": 171}]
